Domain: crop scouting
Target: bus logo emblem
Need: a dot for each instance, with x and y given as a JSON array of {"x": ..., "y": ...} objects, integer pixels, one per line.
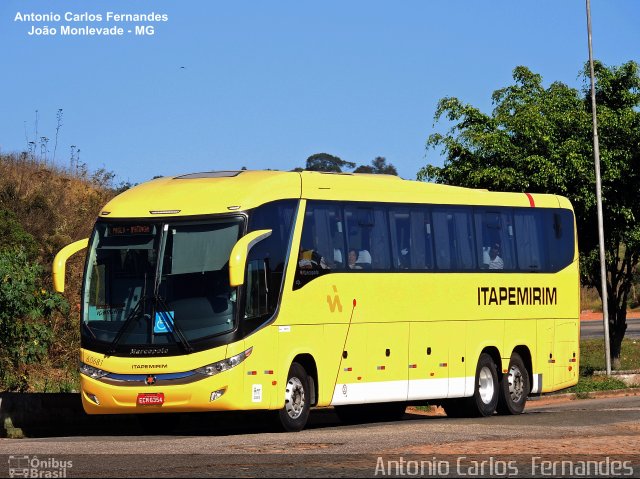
[
  {"x": 150, "y": 380},
  {"x": 335, "y": 301}
]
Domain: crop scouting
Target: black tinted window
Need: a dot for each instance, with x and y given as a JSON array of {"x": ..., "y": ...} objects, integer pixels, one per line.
[
  {"x": 322, "y": 248},
  {"x": 266, "y": 261},
  {"x": 560, "y": 238},
  {"x": 411, "y": 239},
  {"x": 453, "y": 235},
  {"x": 530, "y": 240},
  {"x": 368, "y": 236},
  {"x": 495, "y": 239}
]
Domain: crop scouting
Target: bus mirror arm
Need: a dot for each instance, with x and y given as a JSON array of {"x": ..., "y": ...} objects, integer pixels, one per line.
[
  {"x": 60, "y": 262},
  {"x": 239, "y": 254}
]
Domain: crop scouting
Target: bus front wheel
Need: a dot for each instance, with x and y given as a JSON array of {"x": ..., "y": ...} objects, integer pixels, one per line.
[
  {"x": 295, "y": 413},
  {"x": 514, "y": 387}
]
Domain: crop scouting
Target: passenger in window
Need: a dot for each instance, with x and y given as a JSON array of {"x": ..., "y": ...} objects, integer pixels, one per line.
[
  {"x": 495, "y": 261},
  {"x": 353, "y": 259}
]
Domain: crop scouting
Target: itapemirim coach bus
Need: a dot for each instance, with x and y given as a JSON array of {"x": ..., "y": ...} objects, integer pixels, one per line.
[{"x": 283, "y": 291}]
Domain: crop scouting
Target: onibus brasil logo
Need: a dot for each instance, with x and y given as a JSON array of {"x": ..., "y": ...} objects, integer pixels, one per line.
[{"x": 28, "y": 466}]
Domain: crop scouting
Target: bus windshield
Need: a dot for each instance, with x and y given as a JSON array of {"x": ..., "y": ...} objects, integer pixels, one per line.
[{"x": 157, "y": 283}]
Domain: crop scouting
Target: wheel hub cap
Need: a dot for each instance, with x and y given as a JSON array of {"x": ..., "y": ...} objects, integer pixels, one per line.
[
  {"x": 516, "y": 384},
  {"x": 294, "y": 398},
  {"x": 485, "y": 386}
]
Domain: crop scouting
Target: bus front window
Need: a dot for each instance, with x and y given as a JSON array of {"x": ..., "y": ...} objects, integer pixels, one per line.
[{"x": 130, "y": 299}]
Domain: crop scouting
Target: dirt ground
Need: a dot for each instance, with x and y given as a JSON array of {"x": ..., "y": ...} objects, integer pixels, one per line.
[{"x": 621, "y": 437}]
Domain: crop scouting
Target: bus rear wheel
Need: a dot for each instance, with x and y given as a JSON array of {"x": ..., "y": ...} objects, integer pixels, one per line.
[
  {"x": 295, "y": 413},
  {"x": 485, "y": 395},
  {"x": 514, "y": 387}
]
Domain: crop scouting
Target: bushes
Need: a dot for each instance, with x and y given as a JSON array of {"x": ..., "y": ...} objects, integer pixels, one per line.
[
  {"x": 43, "y": 207},
  {"x": 26, "y": 314},
  {"x": 12, "y": 234}
]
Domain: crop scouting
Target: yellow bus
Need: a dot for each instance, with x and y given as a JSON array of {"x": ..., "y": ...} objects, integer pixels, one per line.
[{"x": 283, "y": 291}]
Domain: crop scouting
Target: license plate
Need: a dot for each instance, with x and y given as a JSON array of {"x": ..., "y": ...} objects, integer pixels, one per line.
[{"x": 150, "y": 399}]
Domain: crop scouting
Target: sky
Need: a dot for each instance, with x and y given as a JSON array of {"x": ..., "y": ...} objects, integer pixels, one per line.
[{"x": 222, "y": 85}]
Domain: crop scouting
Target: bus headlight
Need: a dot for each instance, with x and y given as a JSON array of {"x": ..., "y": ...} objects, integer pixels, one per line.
[
  {"x": 92, "y": 372},
  {"x": 224, "y": 365}
]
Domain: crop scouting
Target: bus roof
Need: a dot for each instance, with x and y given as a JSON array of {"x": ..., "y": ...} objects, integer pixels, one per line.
[{"x": 228, "y": 191}]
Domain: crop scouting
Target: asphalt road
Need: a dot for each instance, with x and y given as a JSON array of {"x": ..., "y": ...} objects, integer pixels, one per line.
[
  {"x": 244, "y": 445},
  {"x": 595, "y": 329}
]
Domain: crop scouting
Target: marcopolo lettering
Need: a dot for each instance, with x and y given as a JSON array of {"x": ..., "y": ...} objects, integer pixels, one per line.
[{"x": 516, "y": 296}]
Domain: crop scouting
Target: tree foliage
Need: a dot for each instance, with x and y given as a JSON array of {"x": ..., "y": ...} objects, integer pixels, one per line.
[
  {"x": 539, "y": 139},
  {"x": 378, "y": 166},
  {"x": 334, "y": 164},
  {"x": 328, "y": 163}
]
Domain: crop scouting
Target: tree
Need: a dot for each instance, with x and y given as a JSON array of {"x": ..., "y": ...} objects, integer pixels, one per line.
[
  {"x": 378, "y": 166},
  {"x": 328, "y": 163},
  {"x": 539, "y": 139}
]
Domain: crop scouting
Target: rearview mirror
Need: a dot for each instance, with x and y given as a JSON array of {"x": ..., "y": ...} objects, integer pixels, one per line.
[
  {"x": 239, "y": 253},
  {"x": 60, "y": 262}
]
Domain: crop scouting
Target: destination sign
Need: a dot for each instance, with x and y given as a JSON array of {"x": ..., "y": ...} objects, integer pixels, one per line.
[{"x": 130, "y": 230}]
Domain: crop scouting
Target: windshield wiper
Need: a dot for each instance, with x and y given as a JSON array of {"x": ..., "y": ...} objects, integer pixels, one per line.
[
  {"x": 173, "y": 327},
  {"x": 130, "y": 317},
  {"x": 90, "y": 331}
]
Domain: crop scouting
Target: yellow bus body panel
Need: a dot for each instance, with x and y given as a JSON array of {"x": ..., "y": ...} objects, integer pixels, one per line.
[{"x": 371, "y": 337}]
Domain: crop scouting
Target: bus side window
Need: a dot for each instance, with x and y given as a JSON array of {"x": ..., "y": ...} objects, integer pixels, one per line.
[
  {"x": 441, "y": 240},
  {"x": 401, "y": 238},
  {"x": 560, "y": 238},
  {"x": 266, "y": 261},
  {"x": 529, "y": 240},
  {"x": 495, "y": 239},
  {"x": 322, "y": 248},
  {"x": 368, "y": 234},
  {"x": 453, "y": 235},
  {"x": 411, "y": 242}
]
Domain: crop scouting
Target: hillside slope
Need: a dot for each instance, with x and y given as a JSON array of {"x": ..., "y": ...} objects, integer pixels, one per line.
[{"x": 42, "y": 209}]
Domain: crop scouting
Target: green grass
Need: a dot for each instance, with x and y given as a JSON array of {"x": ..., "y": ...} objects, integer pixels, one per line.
[
  {"x": 592, "y": 355},
  {"x": 592, "y": 359},
  {"x": 596, "y": 383}
]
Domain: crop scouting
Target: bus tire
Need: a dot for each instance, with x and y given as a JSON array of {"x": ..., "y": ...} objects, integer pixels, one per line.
[
  {"x": 295, "y": 413},
  {"x": 484, "y": 401},
  {"x": 514, "y": 387}
]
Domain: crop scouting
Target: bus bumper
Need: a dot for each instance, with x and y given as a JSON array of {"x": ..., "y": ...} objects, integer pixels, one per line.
[{"x": 216, "y": 393}]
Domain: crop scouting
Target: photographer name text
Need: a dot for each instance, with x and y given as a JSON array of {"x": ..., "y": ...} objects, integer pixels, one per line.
[{"x": 89, "y": 24}]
